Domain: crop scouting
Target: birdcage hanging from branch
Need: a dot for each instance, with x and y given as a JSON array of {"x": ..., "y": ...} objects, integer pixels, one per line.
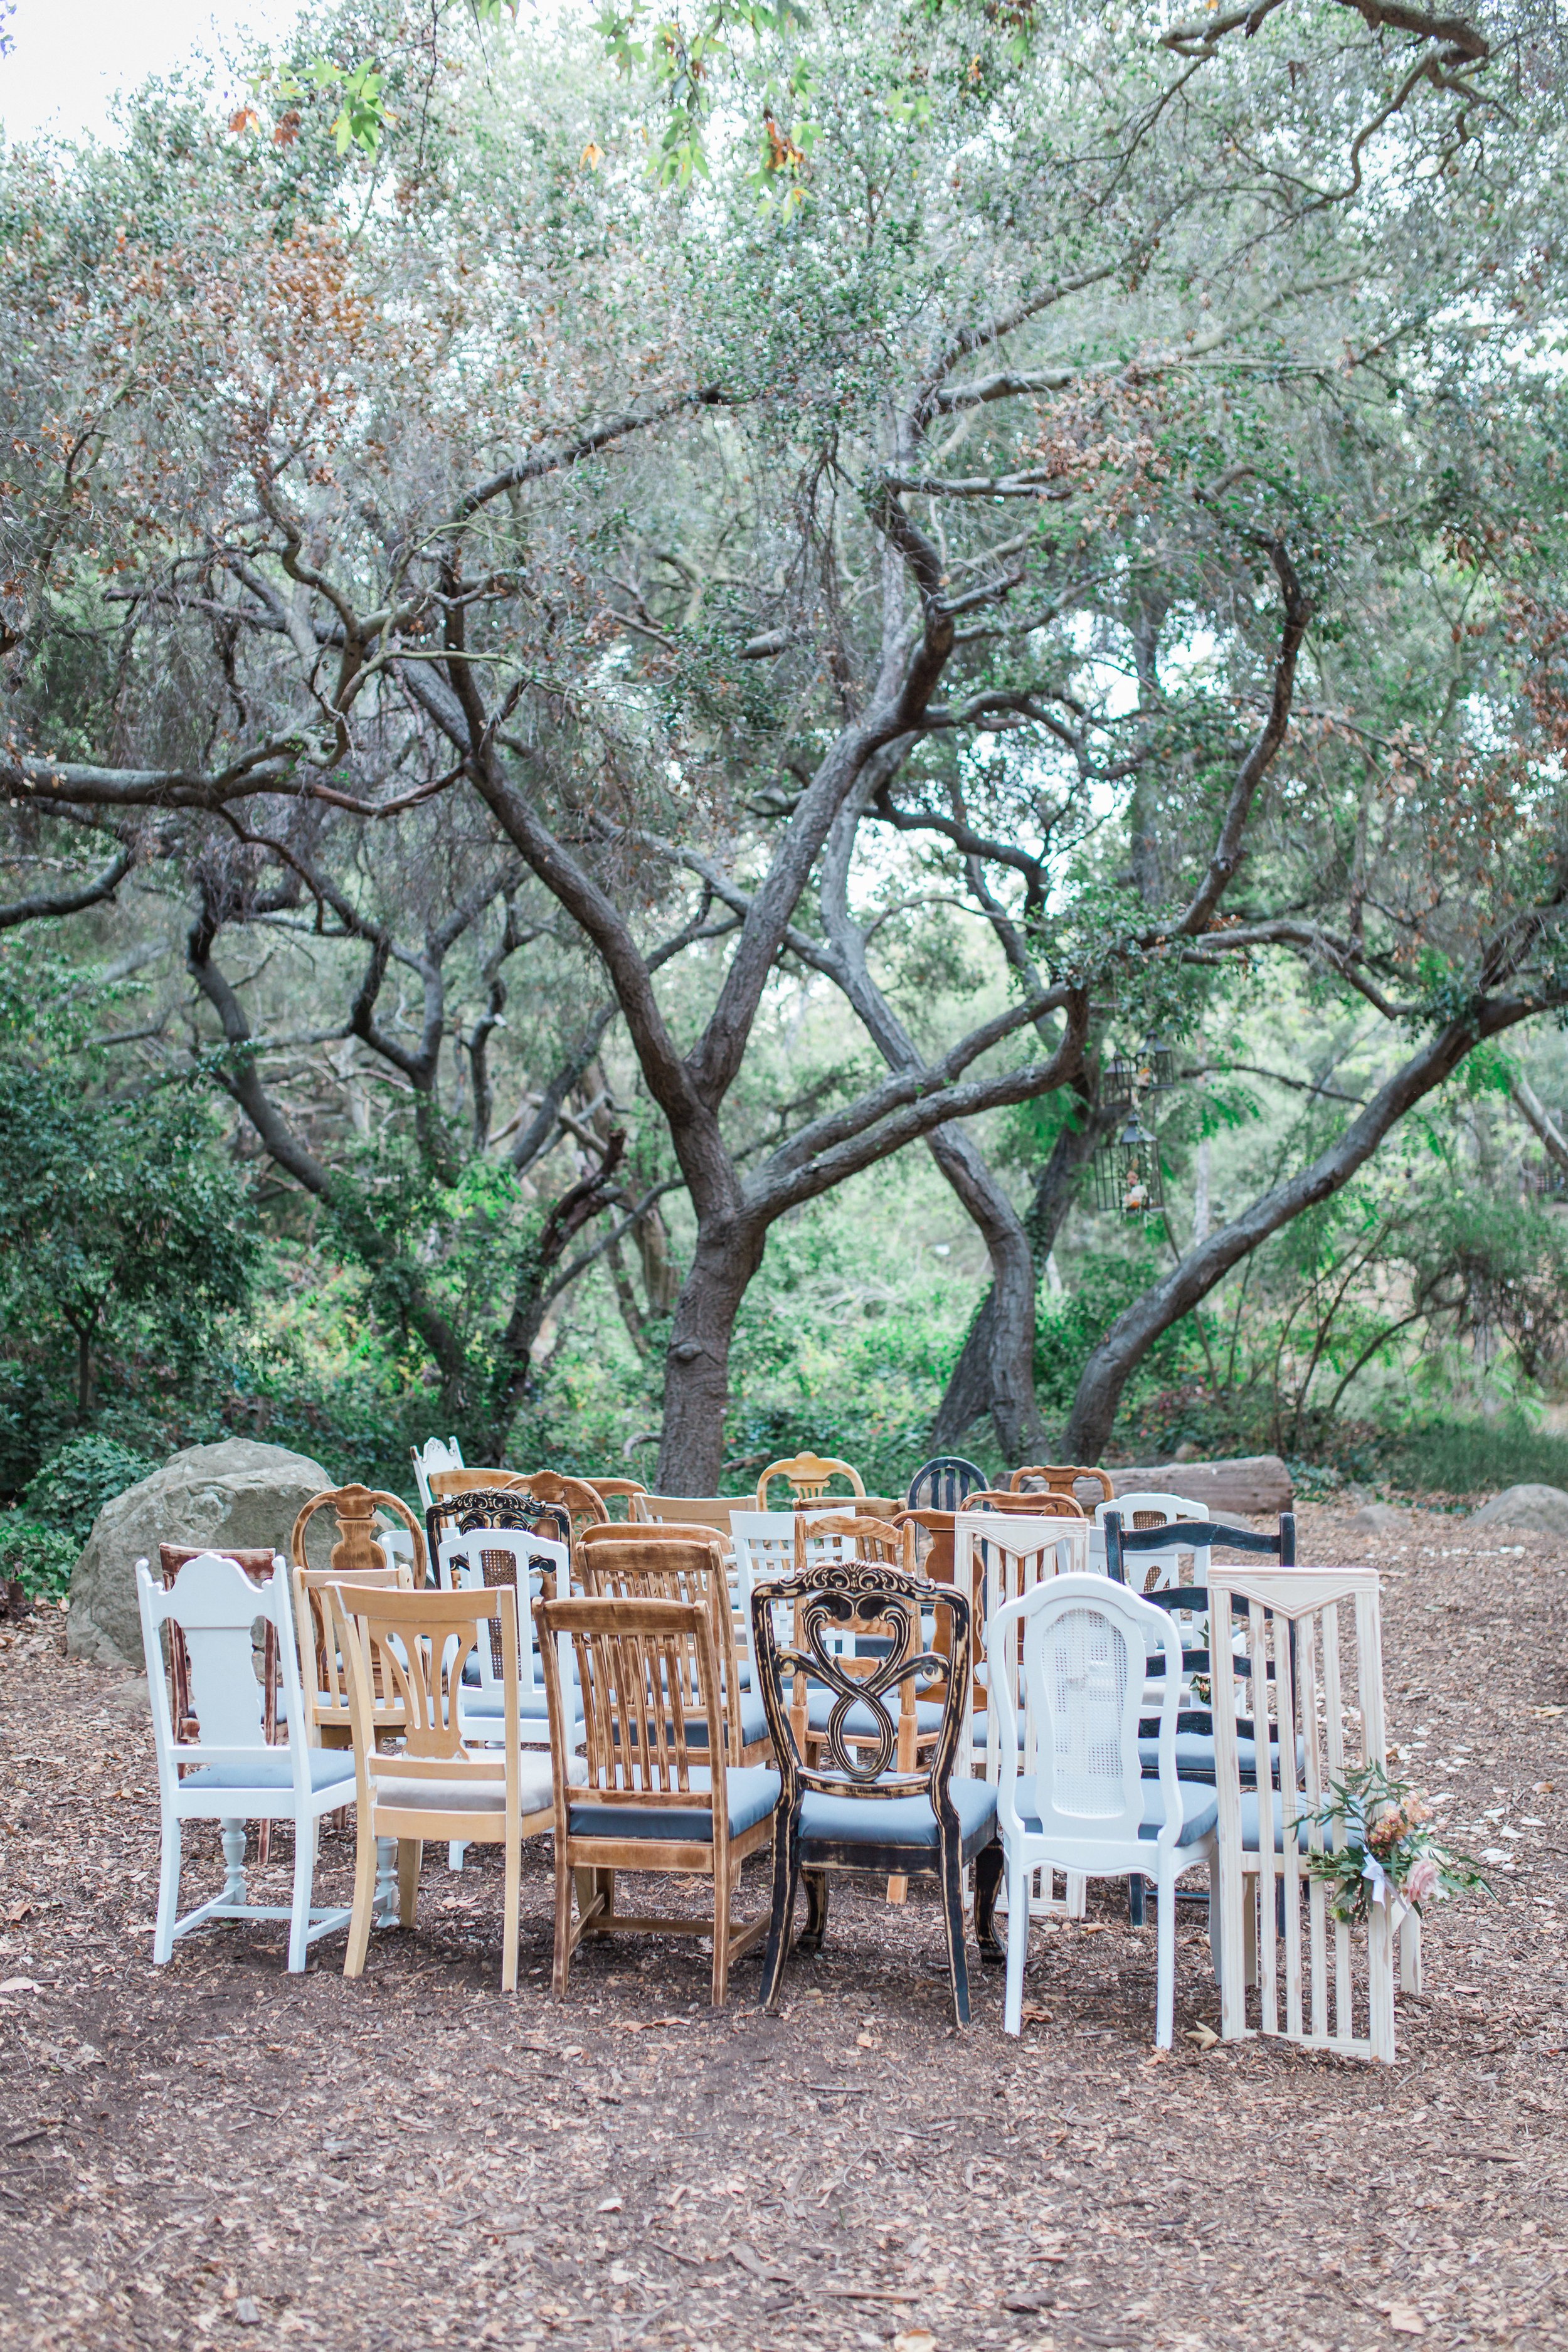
[
  {"x": 1127, "y": 1175},
  {"x": 1128, "y": 1077}
]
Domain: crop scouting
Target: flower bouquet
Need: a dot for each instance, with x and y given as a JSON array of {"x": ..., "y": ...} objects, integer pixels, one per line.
[{"x": 1389, "y": 1852}]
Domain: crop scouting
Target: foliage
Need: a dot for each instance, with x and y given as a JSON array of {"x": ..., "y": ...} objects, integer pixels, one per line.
[
  {"x": 1383, "y": 1844},
  {"x": 74, "y": 1484}
]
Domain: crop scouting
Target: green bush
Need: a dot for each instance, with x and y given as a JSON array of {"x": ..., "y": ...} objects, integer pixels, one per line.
[
  {"x": 36, "y": 1556},
  {"x": 74, "y": 1485}
]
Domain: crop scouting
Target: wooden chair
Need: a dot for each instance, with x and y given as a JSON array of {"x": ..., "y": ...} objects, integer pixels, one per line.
[
  {"x": 679, "y": 1564},
  {"x": 1069, "y": 1657},
  {"x": 941, "y": 1484},
  {"x": 854, "y": 1808},
  {"x": 1060, "y": 1478},
  {"x": 471, "y": 1510},
  {"x": 687, "y": 1510},
  {"x": 445, "y": 1484},
  {"x": 416, "y": 1645},
  {"x": 578, "y": 1497},
  {"x": 613, "y": 1490},
  {"x": 1313, "y": 1659},
  {"x": 825, "y": 1537},
  {"x": 431, "y": 1457},
  {"x": 360, "y": 1543},
  {"x": 230, "y": 1772},
  {"x": 648, "y": 1803},
  {"x": 1037, "y": 1507},
  {"x": 807, "y": 1476}
]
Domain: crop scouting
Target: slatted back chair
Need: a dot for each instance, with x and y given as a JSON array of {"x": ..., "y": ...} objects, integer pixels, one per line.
[
  {"x": 583, "y": 1505},
  {"x": 1126, "y": 1547},
  {"x": 849, "y": 1803},
  {"x": 431, "y": 1457},
  {"x": 1060, "y": 1478},
  {"x": 653, "y": 1798},
  {"x": 672, "y": 1564},
  {"x": 687, "y": 1510},
  {"x": 808, "y": 1477},
  {"x": 933, "y": 1542},
  {"x": 415, "y": 1645},
  {"x": 523, "y": 1561},
  {"x": 998, "y": 1557},
  {"x": 1139, "y": 1511},
  {"x": 1313, "y": 1652},
  {"x": 613, "y": 1490},
  {"x": 942, "y": 1483},
  {"x": 323, "y": 1671}
]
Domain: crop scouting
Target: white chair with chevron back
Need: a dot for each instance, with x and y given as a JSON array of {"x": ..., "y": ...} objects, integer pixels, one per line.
[{"x": 228, "y": 1773}]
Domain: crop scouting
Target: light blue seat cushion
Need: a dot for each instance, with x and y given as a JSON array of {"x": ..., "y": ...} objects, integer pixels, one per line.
[
  {"x": 1194, "y": 1755},
  {"x": 1200, "y": 1810},
  {"x": 980, "y": 1731},
  {"x": 897, "y": 1820},
  {"x": 1249, "y": 1824},
  {"x": 754, "y": 1791},
  {"x": 753, "y": 1722},
  {"x": 274, "y": 1768}
]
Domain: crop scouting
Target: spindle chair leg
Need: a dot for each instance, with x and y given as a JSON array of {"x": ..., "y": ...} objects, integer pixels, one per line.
[
  {"x": 514, "y": 1900},
  {"x": 366, "y": 1862},
  {"x": 410, "y": 1858},
  {"x": 815, "y": 1933},
  {"x": 168, "y": 1894},
  {"x": 989, "y": 1864}
]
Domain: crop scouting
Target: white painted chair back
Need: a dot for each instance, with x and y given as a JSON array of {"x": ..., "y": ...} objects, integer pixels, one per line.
[
  {"x": 397, "y": 1543},
  {"x": 514, "y": 1559},
  {"x": 215, "y": 1606},
  {"x": 999, "y": 1556},
  {"x": 1161, "y": 1570},
  {"x": 1313, "y": 1688},
  {"x": 434, "y": 1455}
]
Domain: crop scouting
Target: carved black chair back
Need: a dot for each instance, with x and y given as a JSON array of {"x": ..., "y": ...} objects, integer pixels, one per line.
[
  {"x": 941, "y": 1484},
  {"x": 1122, "y": 1544},
  {"x": 495, "y": 1507},
  {"x": 859, "y": 1805}
]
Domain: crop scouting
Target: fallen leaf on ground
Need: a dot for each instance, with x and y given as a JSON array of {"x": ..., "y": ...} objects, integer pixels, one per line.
[
  {"x": 914, "y": 2339},
  {"x": 1032, "y": 2015},
  {"x": 1098, "y": 1927},
  {"x": 610, "y": 2205},
  {"x": 1204, "y": 2035},
  {"x": 1405, "y": 2320},
  {"x": 21, "y": 1984}
]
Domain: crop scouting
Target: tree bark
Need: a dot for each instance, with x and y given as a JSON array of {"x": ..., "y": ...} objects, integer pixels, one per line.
[
  {"x": 696, "y": 1364},
  {"x": 1110, "y": 1366}
]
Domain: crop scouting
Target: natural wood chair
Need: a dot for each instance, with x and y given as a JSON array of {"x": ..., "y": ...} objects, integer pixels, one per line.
[
  {"x": 322, "y": 1673},
  {"x": 1060, "y": 1478},
  {"x": 612, "y": 1490},
  {"x": 416, "y": 1645},
  {"x": 446, "y": 1484},
  {"x": 1312, "y": 1665},
  {"x": 1037, "y": 1505},
  {"x": 687, "y": 1510},
  {"x": 807, "y": 1476},
  {"x": 360, "y": 1543},
  {"x": 682, "y": 1564},
  {"x": 655, "y": 1800},
  {"x": 855, "y": 1807},
  {"x": 584, "y": 1505},
  {"x": 472, "y": 1510}
]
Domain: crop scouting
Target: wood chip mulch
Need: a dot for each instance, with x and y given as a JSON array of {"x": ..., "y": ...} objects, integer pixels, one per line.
[{"x": 190, "y": 2153}]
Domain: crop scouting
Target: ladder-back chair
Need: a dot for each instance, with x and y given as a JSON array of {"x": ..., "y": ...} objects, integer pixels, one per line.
[
  {"x": 652, "y": 1797},
  {"x": 942, "y": 1484},
  {"x": 678, "y": 1564},
  {"x": 1060, "y": 1478},
  {"x": 613, "y": 1490},
  {"x": 1311, "y": 1650}
]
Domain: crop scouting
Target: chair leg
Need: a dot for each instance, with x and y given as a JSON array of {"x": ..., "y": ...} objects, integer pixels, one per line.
[
  {"x": 367, "y": 1875},
  {"x": 952, "y": 1918},
  {"x": 233, "y": 1841},
  {"x": 514, "y": 1900},
  {"x": 816, "y": 1931},
  {"x": 299, "y": 1914},
  {"x": 1136, "y": 1907},
  {"x": 1165, "y": 1956},
  {"x": 989, "y": 1863},
  {"x": 1410, "y": 1952},
  {"x": 168, "y": 1892},
  {"x": 410, "y": 1855},
  {"x": 722, "y": 1891},
  {"x": 562, "y": 1966},
  {"x": 1018, "y": 1947},
  {"x": 455, "y": 1853},
  {"x": 786, "y": 1879},
  {"x": 385, "y": 1881}
]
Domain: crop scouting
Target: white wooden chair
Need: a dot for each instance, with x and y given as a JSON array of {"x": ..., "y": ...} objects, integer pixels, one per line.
[
  {"x": 528, "y": 1565},
  {"x": 416, "y": 1645},
  {"x": 1309, "y": 1677},
  {"x": 228, "y": 1773},
  {"x": 434, "y": 1455},
  {"x": 1159, "y": 1569},
  {"x": 1070, "y": 1791}
]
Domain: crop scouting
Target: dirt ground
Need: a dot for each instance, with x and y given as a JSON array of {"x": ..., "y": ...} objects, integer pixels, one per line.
[{"x": 417, "y": 2159}]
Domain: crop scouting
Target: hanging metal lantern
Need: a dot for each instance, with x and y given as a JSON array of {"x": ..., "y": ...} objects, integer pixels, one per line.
[
  {"x": 1127, "y": 1077},
  {"x": 1157, "y": 1065},
  {"x": 1118, "y": 1082},
  {"x": 1127, "y": 1175}
]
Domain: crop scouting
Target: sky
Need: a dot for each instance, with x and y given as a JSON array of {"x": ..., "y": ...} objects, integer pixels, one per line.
[{"x": 71, "y": 56}]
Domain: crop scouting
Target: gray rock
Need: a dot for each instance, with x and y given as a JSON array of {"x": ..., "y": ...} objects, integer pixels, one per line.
[
  {"x": 239, "y": 1493},
  {"x": 1545, "y": 1509},
  {"x": 1380, "y": 1520}
]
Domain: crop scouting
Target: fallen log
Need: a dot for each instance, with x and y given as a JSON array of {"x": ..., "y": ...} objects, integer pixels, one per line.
[{"x": 1256, "y": 1485}]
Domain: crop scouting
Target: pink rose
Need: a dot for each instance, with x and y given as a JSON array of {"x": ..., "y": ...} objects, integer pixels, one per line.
[{"x": 1422, "y": 1881}]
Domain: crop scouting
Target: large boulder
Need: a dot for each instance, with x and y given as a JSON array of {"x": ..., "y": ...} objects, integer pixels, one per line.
[
  {"x": 1545, "y": 1509},
  {"x": 238, "y": 1495}
]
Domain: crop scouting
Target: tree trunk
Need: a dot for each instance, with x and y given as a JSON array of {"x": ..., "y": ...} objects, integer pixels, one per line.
[
  {"x": 697, "y": 1365},
  {"x": 1123, "y": 1350},
  {"x": 995, "y": 1370}
]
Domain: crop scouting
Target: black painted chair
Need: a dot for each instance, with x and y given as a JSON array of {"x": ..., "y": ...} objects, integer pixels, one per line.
[
  {"x": 1124, "y": 1548},
  {"x": 942, "y": 1484},
  {"x": 861, "y": 1805}
]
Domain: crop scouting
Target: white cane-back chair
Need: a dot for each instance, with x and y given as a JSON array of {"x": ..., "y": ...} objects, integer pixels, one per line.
[
  {"x": 1158, "y": 1569},
  {"x": 430, "y": 1457},
  {"x": 228, "y": 1773},
  {"x": 1307, "y": 1678},
  {"x": 1069, "y": 1662}
]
